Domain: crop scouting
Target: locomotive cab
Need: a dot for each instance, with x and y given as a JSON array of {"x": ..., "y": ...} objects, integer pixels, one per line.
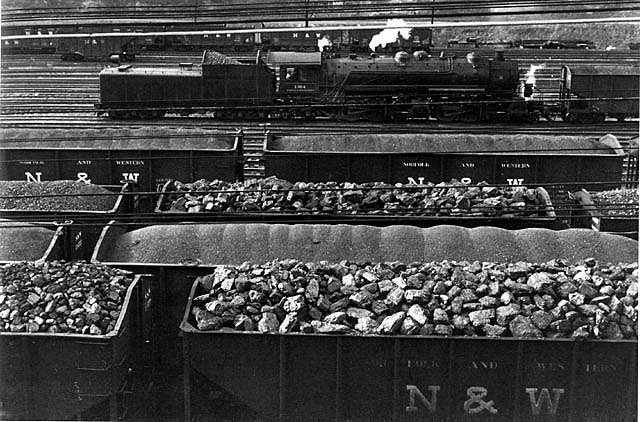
[{"x": 298, "y": 74}]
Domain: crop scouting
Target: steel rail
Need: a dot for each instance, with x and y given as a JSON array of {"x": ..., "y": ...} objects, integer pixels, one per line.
[{"x": 631, "y": 19}]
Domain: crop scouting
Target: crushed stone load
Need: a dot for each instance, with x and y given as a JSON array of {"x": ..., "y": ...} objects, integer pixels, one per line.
[
  {"x": 551, "y": 300},
  {"x": 59, "y": 195},
  {"x": 617, "y": 202},
  {"x": 21, "y": 241},
  {"x": 61, "y": 297},
  {"x": 273, "y": 195}
]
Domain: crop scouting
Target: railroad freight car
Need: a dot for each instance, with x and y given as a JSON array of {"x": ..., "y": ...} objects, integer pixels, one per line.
[
  {"x": 408, "y": 378},
  {"x": 65, "y": 375},
  {"x": 591, "y": 93},
  {"x": 141, "y": 157},
  {"x": 93, "y": 205},
  {"x": 555, "y": 44},
  {"x": 269, "y": 374},
  {"x": 409, "y": 158},
  {"x": 117, "y": 49},
  {"x": 20, "y": 241}
]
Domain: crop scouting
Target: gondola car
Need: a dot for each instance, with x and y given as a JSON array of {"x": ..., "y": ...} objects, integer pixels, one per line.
[{"x": 589, "y": 93}]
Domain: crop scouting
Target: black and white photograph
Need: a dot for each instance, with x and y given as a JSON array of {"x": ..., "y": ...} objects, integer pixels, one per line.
[{"x": 319, "y": 210}]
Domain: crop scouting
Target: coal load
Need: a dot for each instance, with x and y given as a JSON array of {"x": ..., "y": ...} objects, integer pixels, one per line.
[
  {"x": 273, "y": 195},
  {"x": 60, "y": 195},
  {"x": 547, "y": 300},
  {"x": 617, "y": 202},
  {"x": 23, "y": 241},
  {"x": 61, "y": 297}
]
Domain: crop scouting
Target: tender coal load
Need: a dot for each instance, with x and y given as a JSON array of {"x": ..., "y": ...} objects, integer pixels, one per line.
[
  {"x": 61, "y": 297},
  {"x": 617, "y": 202},
  {"x": 518, "y": 299},
  {"x": 57, "y": 195},
  {"x": 273, "y": 195}
]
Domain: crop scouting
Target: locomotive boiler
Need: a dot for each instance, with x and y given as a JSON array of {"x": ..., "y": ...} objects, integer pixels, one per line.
[{"x": 470, "y": 88}]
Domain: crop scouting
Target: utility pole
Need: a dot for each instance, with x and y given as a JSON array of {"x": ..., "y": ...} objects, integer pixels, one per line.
[
  {"x": 306, "y": 14},
  {"x": 433, "y": 13}
]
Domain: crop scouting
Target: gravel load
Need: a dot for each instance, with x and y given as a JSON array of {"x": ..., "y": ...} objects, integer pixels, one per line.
[
  {"x": 273, "y": 195},
  {"x": 617, "y": 202},
  {"x": 23, "y": 241},
  {"x": 59, "y": 195},
  {"x": 61, "y": 297},
  {"x": 552, "y": 299},
  {"x": 215, "y": 244}
]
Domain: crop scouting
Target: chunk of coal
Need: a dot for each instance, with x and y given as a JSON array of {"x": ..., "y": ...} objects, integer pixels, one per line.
[
  {"x": 61, "y": 297},
  {"x": 275, "y": 195},
  {"x": 495, "y": 299}
]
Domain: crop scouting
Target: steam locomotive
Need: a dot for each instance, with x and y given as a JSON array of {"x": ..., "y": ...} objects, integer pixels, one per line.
[{"x": 307, "y": 85}]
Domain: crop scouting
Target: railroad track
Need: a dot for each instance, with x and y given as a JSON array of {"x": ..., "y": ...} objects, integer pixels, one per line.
[
  {"x": 52, "y": 61},
  {"x": 199, "y": 12},
  {"x": 625, "y": 129},
  {"x": 46, "y": 85},
  {"x": 47, "y": 93}
]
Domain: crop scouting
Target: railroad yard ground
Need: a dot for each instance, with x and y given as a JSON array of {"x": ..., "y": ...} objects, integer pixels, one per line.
[{"x": 449, "y": 233}]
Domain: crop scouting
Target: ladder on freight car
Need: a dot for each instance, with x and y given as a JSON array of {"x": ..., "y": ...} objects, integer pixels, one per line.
[{"x": 253, "y": 159}]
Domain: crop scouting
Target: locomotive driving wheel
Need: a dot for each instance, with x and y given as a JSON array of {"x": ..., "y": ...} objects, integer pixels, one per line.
[
  {"x": 453, "y": 114},
  {"x": 222, "y": 115},
  {"x": 118, "y": 114},
  {"x": 352, "y": 114},
  {"x": 309, "y": 114}
]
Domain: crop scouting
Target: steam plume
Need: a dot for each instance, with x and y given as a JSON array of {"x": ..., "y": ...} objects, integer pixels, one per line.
[
  {"x": 397, "y": 28},
  {"x": 324, "y": 42},
  {"x": 531, "y": 74}
]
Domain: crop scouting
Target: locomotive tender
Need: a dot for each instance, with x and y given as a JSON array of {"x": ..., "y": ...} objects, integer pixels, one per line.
[{"x": 470, "y": 88}]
